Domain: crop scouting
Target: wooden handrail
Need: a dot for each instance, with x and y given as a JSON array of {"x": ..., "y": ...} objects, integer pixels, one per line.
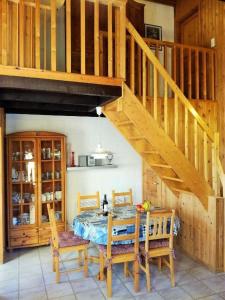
[{"x": 168, "y": 79}]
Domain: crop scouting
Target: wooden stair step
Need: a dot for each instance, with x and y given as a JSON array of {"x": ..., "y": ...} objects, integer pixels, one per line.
[
  {"x": 124, "y": 123},
  {"x": 161, "y": 166},
  {"x": 136, "y": 138},
  {"x": 172, "y": 178}
]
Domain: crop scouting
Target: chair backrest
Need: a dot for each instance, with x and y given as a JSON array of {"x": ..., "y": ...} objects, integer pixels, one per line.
[
  {"x": 159, "y": 225},
  {"x": 133, "y": 223},
  {"x": 53, "y": 226},
  {"x": 122, "y": 198},
  {"x": 87, "y": 202}
]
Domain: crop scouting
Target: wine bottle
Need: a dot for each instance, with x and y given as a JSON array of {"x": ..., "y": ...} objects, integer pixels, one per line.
[{"x": 105, "y": 206}]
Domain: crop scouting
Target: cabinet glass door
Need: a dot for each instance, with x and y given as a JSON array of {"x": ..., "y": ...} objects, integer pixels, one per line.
[
  {"x": 51, "y": 179},
  {"x": 22, "y": 177}
]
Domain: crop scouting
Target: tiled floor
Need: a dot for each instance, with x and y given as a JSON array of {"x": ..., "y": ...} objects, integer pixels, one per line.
[{"x": 28, "y": 275}]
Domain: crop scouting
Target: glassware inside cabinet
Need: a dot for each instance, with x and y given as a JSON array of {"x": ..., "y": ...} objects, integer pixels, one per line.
[
  {"x": 46, "y": 171},
  {"x": 57, "y": 150},
  {"x": 28, "y": 150},
  {"x": 15, "y": 151},
  {"x": 27, "y": 174},
  {"x": 46, "y": 150}
]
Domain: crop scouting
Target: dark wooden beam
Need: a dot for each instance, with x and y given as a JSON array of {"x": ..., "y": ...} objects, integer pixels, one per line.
[
  {"x": 55, "y": 86},
  {"x": 50, "y": 98}
]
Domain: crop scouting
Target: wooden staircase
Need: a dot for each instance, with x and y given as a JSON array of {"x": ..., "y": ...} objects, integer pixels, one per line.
[{"x": 183, "y": 155}]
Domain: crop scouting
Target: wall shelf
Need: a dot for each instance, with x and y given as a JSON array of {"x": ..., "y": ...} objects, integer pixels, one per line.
[{"x": 91, "y": 168}]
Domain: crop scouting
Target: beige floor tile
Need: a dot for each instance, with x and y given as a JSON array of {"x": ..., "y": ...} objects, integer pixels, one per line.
[
  {"x": 197, "y": 290},
  {"x": 183, "y": 277},
  {"x": 216, "y": 284},
  {"x": 9, "y": 286},
  {"x": 118, "y": 292},
  {"x": 10, "y": 296},
  {"x": 30, "y": 281},
  {"x": 130, "y": 287},
  {"x": 90, "y": 295},
  {"x": 30, "y": 270},
  {"x": 160, "y": 282},
  {"x": 175, "y": 293},
  {"x": 149, "y": 296},
  {"x": 9, "y": 275},
  {"x": 201, "y": 272},
  {"x": 68, "y": 297},
  {"x": 33, "y": 294},
  {"x": 213, "y": 297},
  {"x": 83, "y": 285},
  {"x": 50, "y": 278},
  {"x": 57, "y": 290}
]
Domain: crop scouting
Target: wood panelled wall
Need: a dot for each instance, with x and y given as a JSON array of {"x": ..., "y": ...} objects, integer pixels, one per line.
[{"x": 211, "y": 24}]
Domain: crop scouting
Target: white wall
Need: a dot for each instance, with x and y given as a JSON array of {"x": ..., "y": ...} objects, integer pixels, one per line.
[{"x": 83, "y": 134}]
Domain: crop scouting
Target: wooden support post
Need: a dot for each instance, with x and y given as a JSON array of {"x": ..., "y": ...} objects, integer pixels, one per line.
[
  {"x": 144, "y": 79},
  {"x": 182, "y": 69},
  {"x": 215, "y": 154},
  {"x": 196, "y": 143},
  {"x": 82, "y": 37},
  {"x": 212, "y": 75},
  {"x": 96, "y": 37},
  {"x": 189, "y": 75},
  {"x": 68, "y": 36},
  {"x": 117, "y": 41},
  {"x": 155, "y": 110},
  {"x": 132, "y": 64},
  {"x": 2, "y": 186},
  {"x": 37, "y": 36},
  {"x": 4, "y": 32},
  {"x": 204, "y": 76},
  {"x": 186, "y": 129},
  {"x": 205, "y": 155},
  {"x": 166, "y": 107},
  {"x": 176, "y": 121},
  {"x": 110, "y": 41},
  {"x": 123, "y": 41},
  {"x": 21, "y": 32},
  {"x": 53, "y": 35},
  {"x": 197, "y": 95}
]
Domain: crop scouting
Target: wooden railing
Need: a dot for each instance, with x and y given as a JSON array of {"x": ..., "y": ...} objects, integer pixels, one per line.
[
  {"x": 39, "y": 36},
  {"x": 172, "y": 111},
  {"x": 192, "y": 68}
]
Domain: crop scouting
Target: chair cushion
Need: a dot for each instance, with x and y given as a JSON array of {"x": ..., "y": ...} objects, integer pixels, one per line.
[
  {"x": 155, "y": 244},
  {"x": 117, "y": 249},
  {"x": 68, "y": 239}
]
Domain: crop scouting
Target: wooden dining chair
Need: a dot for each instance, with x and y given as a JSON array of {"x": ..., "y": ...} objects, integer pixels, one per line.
[
  {"x": 65, "y": 242},
  {"x": 87, "y": 202},
  {"x": 158, "y": 242},
  {"x": 121, "y": 253},
  {"x": 127, "y": 198}
]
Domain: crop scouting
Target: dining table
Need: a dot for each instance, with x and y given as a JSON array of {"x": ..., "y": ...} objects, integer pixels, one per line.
[{"x": 92, "y": 225}]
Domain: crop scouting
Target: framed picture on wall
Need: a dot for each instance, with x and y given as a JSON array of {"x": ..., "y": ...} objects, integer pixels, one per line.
[{"x": 153, "y": 32}]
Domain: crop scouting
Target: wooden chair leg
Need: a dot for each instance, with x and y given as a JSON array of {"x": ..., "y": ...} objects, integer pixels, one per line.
[
  {"x": 85, "y": 262},
  {"x": 125, "y": 269},
  {"x": 101, "y": 266},
  {"x": 160, "y": 263},
  {"x": 53, "y": 263},
  {"x": 148, "y": 275},
  {"x": 57, "y": 269},
  {"x": 136, "y": 276},
  {"x": 109, "y": 281},
  {"x": 172, "y": 276},
  {"x": 80, "y": 259}
]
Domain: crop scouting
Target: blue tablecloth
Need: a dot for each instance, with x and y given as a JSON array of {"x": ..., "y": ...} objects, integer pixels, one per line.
[{"x": 91, "y": 225}]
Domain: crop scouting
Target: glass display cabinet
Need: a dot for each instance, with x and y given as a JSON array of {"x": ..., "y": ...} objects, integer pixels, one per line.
[{"x": 36, "y": 176}]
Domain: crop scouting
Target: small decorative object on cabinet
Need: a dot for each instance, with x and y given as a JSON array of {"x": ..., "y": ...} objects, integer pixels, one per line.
[{"x": 36, "y": 171}]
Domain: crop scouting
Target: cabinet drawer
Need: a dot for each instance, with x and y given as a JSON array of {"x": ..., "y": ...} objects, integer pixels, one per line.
[
  {"x": 19, "y": 242},
  {"x": 45, "y": 232},
  {"x": 23, "y": 233}
]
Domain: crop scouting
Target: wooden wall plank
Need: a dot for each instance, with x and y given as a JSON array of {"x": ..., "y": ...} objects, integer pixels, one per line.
[
  {"x": 21, "y": 33},
  {"x": 96, "y": 37},
  {"x": 82, "y": 37},
  {"x": 4, "y": 32}
]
